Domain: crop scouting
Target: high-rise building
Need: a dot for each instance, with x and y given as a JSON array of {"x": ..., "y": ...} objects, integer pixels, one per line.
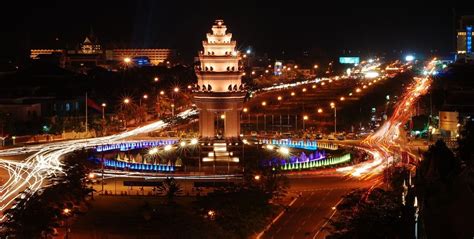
[
  {"x": 464, "y": 38},
  {"x": 219, "y": 93}
]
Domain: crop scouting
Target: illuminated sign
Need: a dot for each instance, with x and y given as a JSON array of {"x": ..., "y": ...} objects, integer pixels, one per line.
[
  {"x": 468, "y": 39},
  {"x": 349, "y": 60},
  {"x": 278, "y": 68}
]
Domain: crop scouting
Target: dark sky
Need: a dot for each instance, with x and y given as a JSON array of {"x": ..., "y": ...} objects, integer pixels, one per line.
[{"x": 265, "y": 27}]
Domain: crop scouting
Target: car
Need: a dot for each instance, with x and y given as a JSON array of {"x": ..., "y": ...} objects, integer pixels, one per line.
[
  {"x": 340, "y": 137},
  {"x": 331, "y": 137},
  {"x": 254, "y": 133},
  {"x": 319, "y": 136}
]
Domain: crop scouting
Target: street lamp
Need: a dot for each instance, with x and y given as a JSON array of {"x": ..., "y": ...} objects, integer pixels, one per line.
[
  {"x": 66, "y": 212},
  {"x": 257, "y": 177},
  {"x": 172, "y": 110},
  {"x": 264, "y": 103},
  {"x": 162, "y": 92},
  {"x": 333, "y": 106},
  {"x": 279, "y": 98},
  {"x": 342, "y": 98},
  {"x": 305, "y": 117},
  {"x": 126, "y": 101},
  {"x": 127, "y": 60},
  {"x": 156, "y": 79},
  {"x": 176, "y": 89},
  {"x": 304, "y": 90},
  {"x": 103, "y": 110},
  {"x": 293, "y": 94}
]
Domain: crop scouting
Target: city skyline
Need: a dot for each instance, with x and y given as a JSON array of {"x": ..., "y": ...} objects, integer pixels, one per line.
[{"x": 155, "y": 25}]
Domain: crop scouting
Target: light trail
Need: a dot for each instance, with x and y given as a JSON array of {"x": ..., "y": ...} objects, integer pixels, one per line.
[
  {"x": 389, "y": 134},
  {"x": 45, "y": 161}
]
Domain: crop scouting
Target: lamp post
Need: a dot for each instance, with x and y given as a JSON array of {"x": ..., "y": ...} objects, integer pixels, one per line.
[
  {"x": 103, "y": 110},
  {"x": 66, "y": 213},
  {"x": 333, "y": 106},
  {"x": 305, "y": 117},
  {"x": 126, "y": 101}
]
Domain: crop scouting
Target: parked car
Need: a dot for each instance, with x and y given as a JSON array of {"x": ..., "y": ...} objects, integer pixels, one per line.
[{"x": 331, "y": 137}]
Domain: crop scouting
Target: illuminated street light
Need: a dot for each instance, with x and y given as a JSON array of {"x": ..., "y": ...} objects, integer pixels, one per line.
[
  {"x": 168, "y": 147},
  {"x": 222, "y": 116},
  {"x": 194, "y": 141},
  {"x": 315, "y": 66},
  {"x": 320, "y": 110},
  {"x": 342, "y": 98},
  {"x": 264, "y": 103},
  {"x": 104, "y": 104},
  {"x": 314, "y": 86},
  {"x": 270, "y": 147},
  {"x": 91, "y": 175},
  {"x": 292, "y": 93},
  {"x": 284, "y": 151},
  {"x": 126, "y": 100},
  {"x": 162, "y": 92},
  {"x": 256, "y": 177},
  {"x": 153, "y": 151},
  {"x": 333, "y": 105},
  {"x": 245, "y": 110},
  {"x": 182, "y": 144},
  {"x": 145, "y": 96},
  {"x": 176, "y": 89},
  {"x": 127, "y": 60},
  {"x": 304, "y": 90},
  {"x": 305, "y": 117},
  {"x": 156, "y": 79},
  {"x": 322, "y": 83},
  {"x": 66, "y": 211},
  {"x": 279, "y": 98},
  {"x": 358, "y": 90}
]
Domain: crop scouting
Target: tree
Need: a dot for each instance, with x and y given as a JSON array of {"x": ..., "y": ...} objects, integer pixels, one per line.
[{"x": 170, "y": 188}]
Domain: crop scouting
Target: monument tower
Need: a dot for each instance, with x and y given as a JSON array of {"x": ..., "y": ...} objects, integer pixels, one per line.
[{"x": 219, "y": 93}]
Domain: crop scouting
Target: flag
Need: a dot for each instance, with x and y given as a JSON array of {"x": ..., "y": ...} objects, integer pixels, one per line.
[{"x": 93, "y": 105}]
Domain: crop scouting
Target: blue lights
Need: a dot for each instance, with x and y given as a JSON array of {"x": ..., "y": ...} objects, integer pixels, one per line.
[
  {"x": 138, "y": 166},
  {"x": 134, "y": 145},
  {"x": 469, "y": 39}
]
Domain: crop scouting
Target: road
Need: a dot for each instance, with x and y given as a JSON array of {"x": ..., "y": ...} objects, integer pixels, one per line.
[
  {"x": 44, "y": 160},
  {"x": 310, "y": 212}
]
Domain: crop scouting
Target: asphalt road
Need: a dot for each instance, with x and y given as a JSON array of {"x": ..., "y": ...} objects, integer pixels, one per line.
[{"x": 309, "y": 214}]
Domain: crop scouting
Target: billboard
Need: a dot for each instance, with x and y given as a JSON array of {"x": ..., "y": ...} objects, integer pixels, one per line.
[{"x": 349, "y": 60}]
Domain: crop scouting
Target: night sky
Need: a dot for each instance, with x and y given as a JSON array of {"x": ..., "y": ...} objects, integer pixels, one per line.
[{"x": 265, "y": 27}]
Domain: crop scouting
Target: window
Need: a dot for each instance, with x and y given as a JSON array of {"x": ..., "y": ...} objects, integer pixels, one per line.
[{"x": 68, "y": 107}]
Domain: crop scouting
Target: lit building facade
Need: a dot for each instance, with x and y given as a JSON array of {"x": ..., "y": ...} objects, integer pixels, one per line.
[
  {"x": 465, "y": 35},
  {"x": 155, "y": 55},
  {"x": 219, "y": 93}
]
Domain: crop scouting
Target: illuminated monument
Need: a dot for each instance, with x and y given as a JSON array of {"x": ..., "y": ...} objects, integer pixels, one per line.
[{"x": 219, "y": 93}]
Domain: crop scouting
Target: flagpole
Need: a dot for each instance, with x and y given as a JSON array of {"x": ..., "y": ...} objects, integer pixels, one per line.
[{"x": 86, "y": 113}]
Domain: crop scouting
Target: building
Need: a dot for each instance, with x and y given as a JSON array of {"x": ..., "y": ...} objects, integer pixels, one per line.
[
  {"x": 90, "y": 53},
  {"x": 464, "y": 39},
  {"x": 35, "y": 54},
  {"x": 219, "y": 94},
  {"x": 156, "y": 56}
]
